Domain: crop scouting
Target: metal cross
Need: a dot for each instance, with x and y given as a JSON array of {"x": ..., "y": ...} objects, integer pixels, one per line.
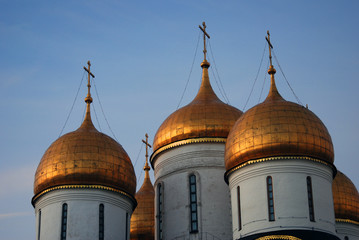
[
  {"x": 204, "y": 38},
  {"x": 88, "y": 80},
  {"x": 270, "y": 47},
  {"x": 147, "y": 145}
]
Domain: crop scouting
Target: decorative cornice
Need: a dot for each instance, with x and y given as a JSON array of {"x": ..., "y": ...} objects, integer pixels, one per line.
[
  {"x": 36, "y": 197},
  {"x": 275, "y": 237},
  {"x": 230, "y": 171},
  {"x": 346, "y": 221},
  {"x": 185, "y": 142}
]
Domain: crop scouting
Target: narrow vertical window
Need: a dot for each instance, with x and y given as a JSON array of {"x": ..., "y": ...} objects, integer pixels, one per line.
[
  {"x": 39, "y": 227},
  {"x": 239, "y": 208},
  {"x": 64, "y": 221},
  {"x": 126, "y": 226},
  {"x": 159, "y": 211},
  {"x": 310, "y": 199},
  {"x": 193, "y": 203},
  {"x": 101, "y": 222},
  {"x": 270, "y": 199}
]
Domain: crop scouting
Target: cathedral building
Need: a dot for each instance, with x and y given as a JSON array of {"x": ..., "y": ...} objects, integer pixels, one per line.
[{"x": 220, "y": 174}]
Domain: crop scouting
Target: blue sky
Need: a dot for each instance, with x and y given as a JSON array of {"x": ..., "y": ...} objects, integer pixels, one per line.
[{"x": 142, "y": 54}]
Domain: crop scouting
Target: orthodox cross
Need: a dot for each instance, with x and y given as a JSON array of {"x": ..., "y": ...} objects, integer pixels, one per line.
[
  {"x": 88, "y": 81},
  {"x": 270, "y": 47},
  {"x": 204, "y": 38},
  {"x": 147, "y": 145}
]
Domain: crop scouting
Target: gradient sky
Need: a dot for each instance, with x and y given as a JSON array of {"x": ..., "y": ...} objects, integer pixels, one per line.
[{"x": 142, "y": 54}]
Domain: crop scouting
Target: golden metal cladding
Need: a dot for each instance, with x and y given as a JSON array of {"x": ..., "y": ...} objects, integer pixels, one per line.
[
  {"x": 277, "y": 127},
  {"x": 346, "y": 199},
  {"x": 143, "y": 218},
  {"x": 205, "y": 117},
  {"x": 278, "y": 237},
  {"x": 86, "y": 157}
]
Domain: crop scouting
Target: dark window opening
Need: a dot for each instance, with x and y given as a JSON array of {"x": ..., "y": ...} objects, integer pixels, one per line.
[
  {"x": 64, "y": 221},
  {"x": 193, "y": 203},
  {"x": 271, "y": 215},
  {"x": 310, "y": 199},
  {"x": 159, "y": 211},
  {"x": 239, "y": 208},
  {"x": 101, "y": 222}
]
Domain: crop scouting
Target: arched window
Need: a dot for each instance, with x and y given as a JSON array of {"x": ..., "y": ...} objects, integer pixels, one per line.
[
  {"x": 310, "y": 199},
  {"x": 193, "y": 203},
  {"x": 239, "y": 208},
  {"x": 271, "y": 215},
  {"x": 39, "y": 227},
  {"x": 101, "y": 222},
  {"x": 64, "y": 221},
  {"x": 159, "y": 211}
]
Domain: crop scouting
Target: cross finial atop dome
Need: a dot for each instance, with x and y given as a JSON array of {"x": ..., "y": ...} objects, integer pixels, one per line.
[
  {"x": 271, "y": 69},
  {"x": 204, "y": 39},
  {"x": 273, "y": 92},
  {"x": 88, "y": 98},
  {"x": 147, "y": 167}
]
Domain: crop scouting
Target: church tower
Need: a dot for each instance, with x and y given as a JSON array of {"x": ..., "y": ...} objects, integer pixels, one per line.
[
  {"x": 191, "y": 198},
  {"x": 84, "y": 186},
  {"x": 346, "y": 207},
  {"x": 143, "y": 218},
  {"x": 279, "y": 161}
]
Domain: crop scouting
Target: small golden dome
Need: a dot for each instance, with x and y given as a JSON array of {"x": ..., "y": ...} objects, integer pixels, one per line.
[
  {"x": 143, "y": 218},
  {"x": 346, "y": 199},
  {"x": 205, "y": 117},
  {"x": 85, "y": 157},
  {"x": 276, "y": 128}
]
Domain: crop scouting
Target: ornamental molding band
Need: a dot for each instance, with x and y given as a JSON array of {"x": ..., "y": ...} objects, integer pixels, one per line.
[
  {"x": 185, "y": 142},
  {"x": 277, "y": 237},
  {"x": 230, "y": 171},
  {"x": 36, "y": 197},
  {"x": 339, "y": 220}
]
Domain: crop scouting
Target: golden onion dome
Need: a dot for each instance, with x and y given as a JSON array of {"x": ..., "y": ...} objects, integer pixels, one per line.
[
  {"x": 346, "y": 199},
  {"x": 205, "y": 117},
  {"x": 143, "y": 218},
  {"x": 85, "y": 158},
  {"x": 277, "y": 128}
]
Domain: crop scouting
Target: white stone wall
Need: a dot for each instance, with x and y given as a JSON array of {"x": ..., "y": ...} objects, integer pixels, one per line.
[
  {"x": 349, "y": 230},
  {"x": 83, "y": 214},
  {"x": 172, "y": 170},
  {"x": 290, "y": 197}
]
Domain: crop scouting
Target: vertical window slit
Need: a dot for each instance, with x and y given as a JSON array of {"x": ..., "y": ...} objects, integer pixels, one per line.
[
  {"x": 64, "y": 221},
  {"x": 271, "y": 215},
  {"x": 101, "y": 230},
  {"x": 310, "y": 199},
  {"x": 39, "y": 227},
  {"x": 159, "y": 211},
  {"x": 193, "y": 203},
  {"x": 239, "y": 208},
  {"x": 126, "y": 225}
]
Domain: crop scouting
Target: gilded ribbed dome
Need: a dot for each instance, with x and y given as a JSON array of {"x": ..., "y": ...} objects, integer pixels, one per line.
[
  {"x": 205, "y": 117},
  {"x": 143, "y": 218},
  {"x": 85, "y": 157},
  {"x": 275, "y": 128},
  {"x": 346, "y": 199}
]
